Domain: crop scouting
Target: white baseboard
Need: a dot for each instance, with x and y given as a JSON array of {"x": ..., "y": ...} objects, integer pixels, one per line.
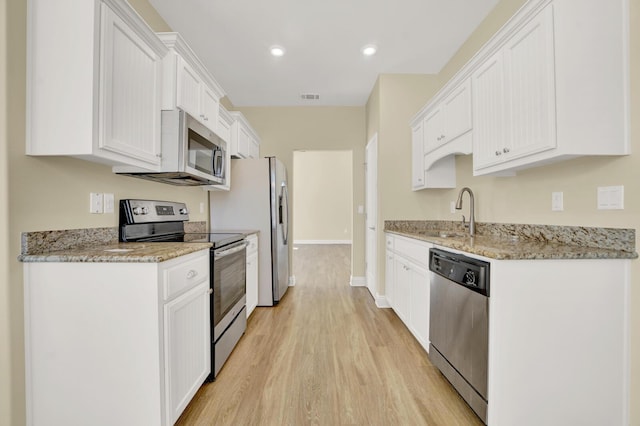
[
  {"x": 301, "y": 242},
  {"x": 292, "y": 280},
  {"x": 381, "y": 301},
  {"x": 358, "y": 281}
]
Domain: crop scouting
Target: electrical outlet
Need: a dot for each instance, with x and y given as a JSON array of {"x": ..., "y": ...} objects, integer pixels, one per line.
[
  {"x": 109, "y": 203},
  {"x": 96, "y": 203},
  {"x": 452, "y": 207},
  {"x": 557, "y": 201},
  {"x": 201, "y": 207}
]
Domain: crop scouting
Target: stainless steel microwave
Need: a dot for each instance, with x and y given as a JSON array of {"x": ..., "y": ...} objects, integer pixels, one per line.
[{"x": 191, "y": 154}]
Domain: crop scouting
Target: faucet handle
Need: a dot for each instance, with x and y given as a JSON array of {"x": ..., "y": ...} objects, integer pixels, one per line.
[{"x": 464, "y": 223}]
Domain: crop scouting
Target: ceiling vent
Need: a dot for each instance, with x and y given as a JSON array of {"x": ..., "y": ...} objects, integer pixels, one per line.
[{"x": 310, "y": 96}]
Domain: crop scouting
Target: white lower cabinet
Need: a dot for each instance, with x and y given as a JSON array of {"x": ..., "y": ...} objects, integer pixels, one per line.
[
  {"x": 128, "y": 343},
  {"x": 187, "y": 347},
  {"x": 408, "y": 284},
  {"x": 252, "y": 273}
]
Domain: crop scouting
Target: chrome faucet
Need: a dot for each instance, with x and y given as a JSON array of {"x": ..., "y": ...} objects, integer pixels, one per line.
[{"x": 472, "y": 219}]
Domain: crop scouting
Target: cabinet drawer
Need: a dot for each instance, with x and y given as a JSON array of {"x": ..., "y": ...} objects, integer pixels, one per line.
[
  {"x": 415, "y": 250},
  {"x": 253, "y": 244},
  {"x": 185, "y": 275}
]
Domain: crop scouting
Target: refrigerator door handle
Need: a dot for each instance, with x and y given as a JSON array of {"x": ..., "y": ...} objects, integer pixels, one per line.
[{"x": 284, "y": 212}]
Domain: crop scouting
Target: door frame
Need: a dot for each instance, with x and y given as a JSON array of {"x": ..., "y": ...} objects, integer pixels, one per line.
[{"x": 371, "y": 223}]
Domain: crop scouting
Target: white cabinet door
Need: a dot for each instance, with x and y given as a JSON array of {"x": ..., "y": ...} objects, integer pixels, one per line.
[
  {"x": 187, "y": 347},
  {"x": 254, "y": 149},
  {"x": 433, "y": 130},
  {"x": 252, "y": 282},
  {"x": 130, "y": 82},
  {"x": 402, "y": 289},
  {"x": 244, "y": 140},
  {"x": 390, "y": 278},
  {"x": 457, "y": 112},
  {"x": 420, "y": 298},
  {"x": 210, "y": 107},
  {"x": 189, "y": 89},
  {"x": 489, "y": 124},
  {"x": 530, "y": 81},
  {"x": 417, "y": 157}
]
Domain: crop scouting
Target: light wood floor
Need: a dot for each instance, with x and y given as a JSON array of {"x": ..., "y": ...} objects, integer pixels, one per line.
[{"x": 326, "y": 355}]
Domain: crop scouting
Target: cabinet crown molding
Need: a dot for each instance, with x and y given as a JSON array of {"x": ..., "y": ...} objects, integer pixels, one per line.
[
  {"x": 175, "y": 42},
  {"x": 138, "y": 24}
]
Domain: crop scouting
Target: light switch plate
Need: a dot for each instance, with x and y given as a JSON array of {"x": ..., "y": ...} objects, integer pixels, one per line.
[
  {"x": 557, "y": 201},
  {"x": 96, "y": 201},
  {"x": 611, "y": 197}
]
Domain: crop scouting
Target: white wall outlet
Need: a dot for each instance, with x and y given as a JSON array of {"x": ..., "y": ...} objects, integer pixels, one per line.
[
  {"x": 452, "y": 207},
  {"x": 109, "y": 203},
  {"x": 96, "y": 202},
  {"x": 201, "y": 207},
  {"x": 611, "y": 197},
  {"x": 557, "y": 201}
]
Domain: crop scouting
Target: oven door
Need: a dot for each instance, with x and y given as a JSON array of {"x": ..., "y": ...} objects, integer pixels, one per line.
[{"x": 229, "y": 281}]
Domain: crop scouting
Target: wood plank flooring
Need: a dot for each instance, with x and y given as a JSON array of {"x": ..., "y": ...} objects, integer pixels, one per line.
[{"x": 326, "y": 355}]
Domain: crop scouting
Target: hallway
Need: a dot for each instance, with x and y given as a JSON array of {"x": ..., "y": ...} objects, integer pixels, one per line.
[{"x": 326, "y": 355}]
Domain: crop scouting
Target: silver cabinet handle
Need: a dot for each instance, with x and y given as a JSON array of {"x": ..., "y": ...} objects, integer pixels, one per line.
[{"x": 192, "y": 274}]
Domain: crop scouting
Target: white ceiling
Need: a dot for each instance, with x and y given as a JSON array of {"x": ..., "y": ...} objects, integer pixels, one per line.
[{"x": 323, "y": 40}]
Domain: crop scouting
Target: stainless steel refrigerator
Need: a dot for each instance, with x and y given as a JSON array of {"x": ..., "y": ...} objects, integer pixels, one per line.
[{"x": 259, "y": 200}]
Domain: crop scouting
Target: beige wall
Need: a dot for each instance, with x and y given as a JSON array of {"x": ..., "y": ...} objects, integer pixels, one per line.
[
  {"x": 5, "y": 325},
  {"x": 525, "y": 198},
  {"x": 323, "y": 197},
  {"x": 46, "y": 193},
  {"x": 284, "y": 130}
]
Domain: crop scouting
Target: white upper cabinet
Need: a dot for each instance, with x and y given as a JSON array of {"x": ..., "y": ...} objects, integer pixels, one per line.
[
  {"x": 489, "y": 127},
  {"x": 188, "y": 85},
  {"x": 245, "y": 142},
  {"x": 551, "y": 84},
  {"x": 545, "y": 106},
  {"x": 514, "y": 97},
  {"x": 93, "y": 90},
  {"x": 417, "y": 156},
  {"x": 450, "y": 119}
]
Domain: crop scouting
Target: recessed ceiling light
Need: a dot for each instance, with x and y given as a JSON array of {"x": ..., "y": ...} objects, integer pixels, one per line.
[
  {"x": 277, "y": 51},
  {"x": 369, "y": 50}
]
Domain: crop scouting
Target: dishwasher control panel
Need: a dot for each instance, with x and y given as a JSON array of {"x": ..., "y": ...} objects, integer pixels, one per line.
[{"x": 461, "y": 269}]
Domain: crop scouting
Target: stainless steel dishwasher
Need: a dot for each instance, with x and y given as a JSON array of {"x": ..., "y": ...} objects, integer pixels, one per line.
[{"x": 459, "y": 324}]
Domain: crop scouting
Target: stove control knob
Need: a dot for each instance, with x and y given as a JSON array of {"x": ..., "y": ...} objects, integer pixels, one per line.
[
  {"x": 140, "y": 210},
  {"x": 184, "y": 211}
]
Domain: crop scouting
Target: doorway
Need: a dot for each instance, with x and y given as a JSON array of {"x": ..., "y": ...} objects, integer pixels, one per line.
[{"x": 322, "y": 188}]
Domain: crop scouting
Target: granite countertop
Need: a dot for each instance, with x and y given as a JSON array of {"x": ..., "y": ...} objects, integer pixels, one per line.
[
  {"x": 119, "y": 252},
  {"x": 515, "y": 241},
  {"x": 100, "y": 245},
  {"x": 245, "y": 232}
]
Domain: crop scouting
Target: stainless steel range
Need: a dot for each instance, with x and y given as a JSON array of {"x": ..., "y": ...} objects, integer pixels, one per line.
[{"x": 163, "y": 221}]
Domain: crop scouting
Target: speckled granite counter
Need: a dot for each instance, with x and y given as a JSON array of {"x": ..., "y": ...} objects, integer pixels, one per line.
[
  {"x": 100, "y": 245},
  {"x": 515, "y": 241}
]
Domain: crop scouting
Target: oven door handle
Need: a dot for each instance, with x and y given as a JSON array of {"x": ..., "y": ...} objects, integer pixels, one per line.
[{"x": 220, "y": 254}]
